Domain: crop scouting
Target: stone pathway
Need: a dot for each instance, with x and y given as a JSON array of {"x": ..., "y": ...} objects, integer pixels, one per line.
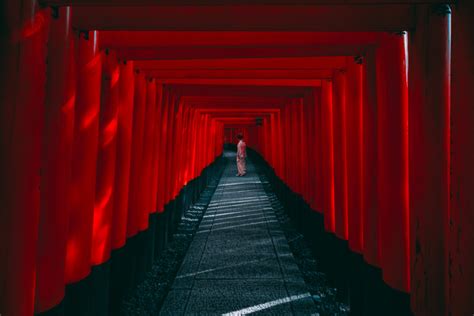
[{"x": 239, "y": 261}]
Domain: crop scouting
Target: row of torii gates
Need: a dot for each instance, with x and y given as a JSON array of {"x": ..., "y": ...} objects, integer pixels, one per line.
[{"x": 109, "y": 108}]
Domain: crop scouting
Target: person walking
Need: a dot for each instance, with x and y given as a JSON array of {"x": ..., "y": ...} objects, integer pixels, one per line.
[{"x": 241, "y": 156}]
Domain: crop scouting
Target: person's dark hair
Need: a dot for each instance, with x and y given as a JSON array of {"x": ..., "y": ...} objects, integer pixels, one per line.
[{"x": 240, "y": 136}]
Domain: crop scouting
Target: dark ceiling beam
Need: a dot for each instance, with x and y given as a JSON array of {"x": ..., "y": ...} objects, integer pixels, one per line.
[
  {"x": 236, "y": 114},
  {"x": 250, "y": 74},
  {"x": 232, "y": 107},
  {"x": 231, "y": 91},
  {"x": 224, "y": 2},
  {"x": 245, "y": 82},
  {"x": 226, "y": 98},
  {"x": 150, "y": 45},
  {"x": 236, "y": 119},
  {"x": 163, "y": 39},
  {"x": 246, "y": 63},
  {"x": 217, "y": 52},
  {"x": 268, "y": 105},
  {"x": 336, "y": 18}
]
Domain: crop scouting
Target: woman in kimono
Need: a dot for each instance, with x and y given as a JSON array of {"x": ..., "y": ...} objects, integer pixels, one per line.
[{"x": 241, "y": 155}]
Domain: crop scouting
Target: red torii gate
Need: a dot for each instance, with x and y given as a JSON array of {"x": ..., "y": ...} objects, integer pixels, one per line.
[{"x": 384, "y": 140}]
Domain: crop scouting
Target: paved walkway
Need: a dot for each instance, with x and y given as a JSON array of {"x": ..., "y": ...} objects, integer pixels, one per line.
[{"x": 239, "y": 261}]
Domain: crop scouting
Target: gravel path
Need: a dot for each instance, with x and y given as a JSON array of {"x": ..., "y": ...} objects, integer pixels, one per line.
[{"x": 237, "y": 271}]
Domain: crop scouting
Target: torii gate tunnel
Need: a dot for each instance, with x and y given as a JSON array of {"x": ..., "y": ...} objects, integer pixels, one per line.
[{"x": 111, "y": 108}]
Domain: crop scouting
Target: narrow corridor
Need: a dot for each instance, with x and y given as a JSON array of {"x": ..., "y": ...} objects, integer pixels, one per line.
[
  {"x": 239, "y": 260},
  {"x": 115, "y": 118}
]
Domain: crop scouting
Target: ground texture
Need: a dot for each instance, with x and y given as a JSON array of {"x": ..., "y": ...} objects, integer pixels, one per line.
[{"x": 242, "y": 257}]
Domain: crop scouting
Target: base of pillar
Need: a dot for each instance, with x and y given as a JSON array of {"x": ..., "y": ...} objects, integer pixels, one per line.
[{"x": 103, "y": 290}]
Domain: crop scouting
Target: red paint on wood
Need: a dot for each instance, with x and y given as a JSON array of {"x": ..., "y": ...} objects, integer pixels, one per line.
[
  {"x": 340, "y": 154},
  {"x": 56, "y": 164},
  {"x": 392, "y": 97},
  {"x": 139, "y": 109},
  {"x": 23, "y": 115},
  {"x": 106, "y": 158},
  {"x": 84, "y": 158},
  {"x": 124, "y": 146}
]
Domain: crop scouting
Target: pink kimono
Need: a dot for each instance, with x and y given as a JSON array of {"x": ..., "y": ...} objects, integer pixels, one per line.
[{"x": 241, "y": 155}]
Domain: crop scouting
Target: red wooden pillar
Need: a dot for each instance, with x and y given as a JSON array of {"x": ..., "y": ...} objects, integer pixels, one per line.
[
  {"x": 188, "y": 145},
  {"x": 197, "y": 161},
  {"x": 170, "y": 146},
  {"x": 56, "y": 164},
  {"x": 296, "y": 152},
  {"x": 283, "y": 133},
  {"x": 203, "y": 141},
  {"x": 291, "y": 147},
  {"x": 430, "y": 131},
  {"x": 139, "y": 108},
  {"x": 21, "y": 115},
  {"x": 289, "y": 160},
  {"x": 328, "y": 155},
  {"x": 280, "y": 144},
  {"x": 274, "y": 140},
  {"x": 303, "y": 148},
  {"x": 213, "y": 140},
  {"x": 182, "y": 149},
  {"x": 194, "y": 143},
  {"x": 266, "y": 139},
  {"x": 147, "y": 155},
  {"x": 156, "y": 147},
  {"x": 301, "y": 139},
  {"x": 84, "y": 158},
  {"x": 258, "y": 139},
  {"x": 263, "y": 138},
  {"x": 191, "y": 143},
  {"x": 354, "y": 154},
  {"x": 340, "y": 154},
  {"x": 206, "y": 142},
  {"x": 124, "y": 153},
  {"x": 162, "y": 160},
  {"x": 317, "y": 146},
  {"x": 369, "y": 187},
  {"x": 105, "y": 176},
  {"x": 392, "y": 95},
  {"x": 178, "y": 155},
  {"x": 221, "y": 137},
  {"x": 277, "y": 143},
  {"x": 461, "y": 268},
  {"x": 310, "y": 135}
]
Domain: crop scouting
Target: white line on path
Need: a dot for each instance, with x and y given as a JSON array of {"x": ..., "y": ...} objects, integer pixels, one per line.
[{"x": 267, "y": 305}]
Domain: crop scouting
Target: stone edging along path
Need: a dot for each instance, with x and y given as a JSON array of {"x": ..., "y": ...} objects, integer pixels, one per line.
[{"x": 148, "y": 297}]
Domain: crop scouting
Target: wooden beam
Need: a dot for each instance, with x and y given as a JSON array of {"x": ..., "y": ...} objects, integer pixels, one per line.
[
  {"x": 336, "y": 18},
  {"x": 219, "y": 52},
  {"x": 244, "y": 82},
  {"x": 172, "y": 74},
  {"x": 227, "y": 2},
  {"x": 244, "y": 91},
  {"x": 189, "y": 39},
  {"x": 245, "y": 64}
]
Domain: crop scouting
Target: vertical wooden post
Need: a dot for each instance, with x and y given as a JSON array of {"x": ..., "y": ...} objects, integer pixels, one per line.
[
  {"x": 461, "y": 256},
  {"x": 56, "y": 164}
]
